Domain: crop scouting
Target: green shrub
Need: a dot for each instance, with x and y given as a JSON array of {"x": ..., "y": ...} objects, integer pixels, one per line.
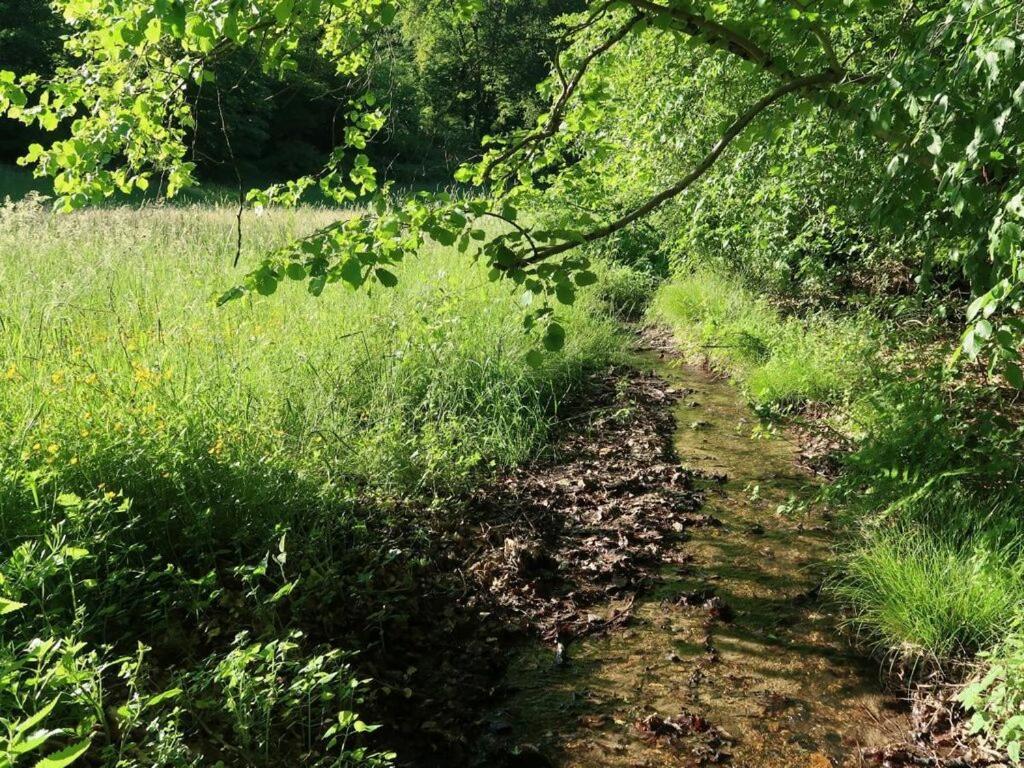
[
  {"x": 626, "y": 291},
  {"x": 995, "y": 696},
  {"x": 943, "y": 455}
]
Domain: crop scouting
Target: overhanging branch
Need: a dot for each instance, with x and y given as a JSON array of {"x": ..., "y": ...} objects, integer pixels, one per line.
[
  {"x": 557, "y": 112},
  {"x": 717, "y": 35},
  {"x": 735, "y": 129}
]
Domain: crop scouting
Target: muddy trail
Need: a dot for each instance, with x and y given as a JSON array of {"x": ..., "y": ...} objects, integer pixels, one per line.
[{"x": 667, "y": 568}]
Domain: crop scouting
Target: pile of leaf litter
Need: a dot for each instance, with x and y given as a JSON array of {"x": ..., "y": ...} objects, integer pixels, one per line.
[{"x": 554, "y": 550}]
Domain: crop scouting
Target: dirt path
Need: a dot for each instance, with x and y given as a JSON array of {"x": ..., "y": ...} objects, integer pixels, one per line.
[{"x": 725, "y": 655}]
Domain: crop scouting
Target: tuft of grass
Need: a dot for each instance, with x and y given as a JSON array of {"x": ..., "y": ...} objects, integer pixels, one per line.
[
  {"x": 624, "y": 290},
  {"x": 922, "y": 597},
  {"x": 781, "y": 361}
]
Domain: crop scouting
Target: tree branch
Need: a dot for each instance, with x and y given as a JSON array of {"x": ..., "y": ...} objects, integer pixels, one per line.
[
  {"x": 734, "y": 130},
  {"x": 557, "y": 112},
  {"x": 824, "y": 39},
  {"x": 717, "y": 35}
]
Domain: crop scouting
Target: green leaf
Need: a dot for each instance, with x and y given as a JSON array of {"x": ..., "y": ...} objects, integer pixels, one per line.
[
  {"x": 9, "y": 606},
  {"x": 387, "y": 279},
  {"x": 316, "y": 285},
  {"x": 1014, "y": 375},
  {"x": 266, "y": 283},
  {"x": 37, "y": 718},
  {"x": 352, "y": 272},
  {"x": 565, "y": 293},
  {"x": 554, "y": 338},
  {"x": 33, "y": 742},
  {"x": 283, "y": 10},
  {"x": 230, "y": 295},
  {"x": 584, "y": 279},
  {"x": 971, "y": 344},
  {"x": 160, "y": 698},
  {"x": 65, "y": 757},
  {"x": 443, "y": 236}
]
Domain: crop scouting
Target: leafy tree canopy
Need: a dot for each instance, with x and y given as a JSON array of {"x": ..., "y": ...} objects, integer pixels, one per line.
[{"x": 933, "y": 91}]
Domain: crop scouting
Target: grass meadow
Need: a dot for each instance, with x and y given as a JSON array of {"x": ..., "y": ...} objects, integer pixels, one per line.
[
  {"x": 170, "y": 469},
  {"x": 118, "y": 369}
]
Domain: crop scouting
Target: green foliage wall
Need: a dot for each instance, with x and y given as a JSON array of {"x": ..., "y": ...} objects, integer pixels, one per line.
[{"x": 479, "y": 76}]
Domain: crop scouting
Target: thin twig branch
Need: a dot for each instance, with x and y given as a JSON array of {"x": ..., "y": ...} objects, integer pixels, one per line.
[
  {"x": 518, "y": 227},
  {"x": 824, "y": 39},
  {"x": 238, "y": 179},
  {"x": 557, "y": 113},
  {"x": 717, "y": 35}
]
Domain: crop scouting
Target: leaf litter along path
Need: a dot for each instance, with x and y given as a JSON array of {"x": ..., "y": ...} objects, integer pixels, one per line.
[{"x": 670, "y": 577}]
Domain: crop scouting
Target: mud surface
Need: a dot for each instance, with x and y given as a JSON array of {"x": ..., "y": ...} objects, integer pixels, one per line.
[{"x": 672, "y": 588}]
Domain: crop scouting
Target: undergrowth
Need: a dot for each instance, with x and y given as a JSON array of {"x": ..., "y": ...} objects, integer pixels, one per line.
[
  {"x": 780, "y": 361},
  {"x": 203, "y": 511},
  {"x": 925, "y": 598}
]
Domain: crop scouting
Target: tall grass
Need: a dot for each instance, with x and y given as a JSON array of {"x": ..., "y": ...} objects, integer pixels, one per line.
[
  {"x": 917, "y": 594},
  {"x": 116, "y": 370},
  {"x": 933, "y": 491},
  {"x": 781, "y": 361},
  {"x": 218, "y": 504}
]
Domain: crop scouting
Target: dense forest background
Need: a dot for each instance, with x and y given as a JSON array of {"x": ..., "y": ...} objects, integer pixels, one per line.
[{"x": 449, "y": 84}]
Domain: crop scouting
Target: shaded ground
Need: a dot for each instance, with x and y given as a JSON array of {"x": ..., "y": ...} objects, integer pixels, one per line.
[
  {"x": 727, "y": 655},
  {"x": 554, "y": 552},
  {"x": 647, "y": 595}
]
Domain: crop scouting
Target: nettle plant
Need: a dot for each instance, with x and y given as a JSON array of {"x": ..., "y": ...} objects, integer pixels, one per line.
[{"x": 938, "y": 85}]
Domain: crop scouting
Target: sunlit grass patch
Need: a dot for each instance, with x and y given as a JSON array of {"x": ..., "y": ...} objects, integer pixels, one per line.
[
  {"x": 117, "y": 370},
  {"x": 921, "y": 596},
  {"x": 779, "y": 360}
]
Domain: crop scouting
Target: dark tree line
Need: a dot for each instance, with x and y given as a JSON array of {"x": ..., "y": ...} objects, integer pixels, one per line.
[{"x": 449, "y": 83}]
